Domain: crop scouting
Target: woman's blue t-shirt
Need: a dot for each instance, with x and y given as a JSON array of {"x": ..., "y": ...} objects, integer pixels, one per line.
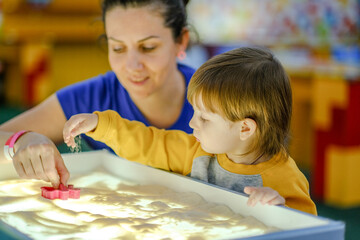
[{"x": 106, "y": 92}]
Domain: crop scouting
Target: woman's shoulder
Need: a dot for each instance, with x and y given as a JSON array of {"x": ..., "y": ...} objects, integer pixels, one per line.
[
  {"x": 106, "y": 80},
  {"x": 98, "y": 93},
  {"x": 186, "y": 70},
  {"x": 101, "y": 86}
]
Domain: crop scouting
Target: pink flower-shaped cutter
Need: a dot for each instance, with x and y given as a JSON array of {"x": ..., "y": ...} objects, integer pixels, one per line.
[{"x": 62, "y": 192}]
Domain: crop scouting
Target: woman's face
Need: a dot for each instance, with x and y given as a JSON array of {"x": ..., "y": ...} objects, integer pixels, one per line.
[{"x": 142, "y": 52}]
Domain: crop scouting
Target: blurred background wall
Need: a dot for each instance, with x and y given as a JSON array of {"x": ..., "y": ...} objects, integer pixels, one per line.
[
  {"x": 48, "y": 44},
  {"x": 318, "y": 43}
]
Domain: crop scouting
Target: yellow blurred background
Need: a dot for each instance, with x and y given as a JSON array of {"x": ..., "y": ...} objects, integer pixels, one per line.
[{"x": 48, "y": 44}]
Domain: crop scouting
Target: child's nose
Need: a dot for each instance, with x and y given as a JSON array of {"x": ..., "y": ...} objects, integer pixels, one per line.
[{"x": 192, "y": 123}]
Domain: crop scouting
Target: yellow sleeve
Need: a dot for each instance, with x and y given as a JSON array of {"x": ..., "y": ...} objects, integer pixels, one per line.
[
  {"x": 292, "y": 185},
  {"x": 298, "y": 197},
  {"x": 171, "y": 150}
]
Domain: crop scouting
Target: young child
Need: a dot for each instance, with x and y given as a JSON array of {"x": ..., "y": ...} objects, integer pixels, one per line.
[{"x": 243, "y": 103}]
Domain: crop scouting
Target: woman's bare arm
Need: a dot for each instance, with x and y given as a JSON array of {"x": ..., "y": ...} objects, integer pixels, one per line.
[
  {"x": 47, "y": 118},
  {"x": 36, "y": 155}
]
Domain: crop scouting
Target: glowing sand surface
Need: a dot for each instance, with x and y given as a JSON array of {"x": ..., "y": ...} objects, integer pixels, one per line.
[{"x": 110, "y": 208}]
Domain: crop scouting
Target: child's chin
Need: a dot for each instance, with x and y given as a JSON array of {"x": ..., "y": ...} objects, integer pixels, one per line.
[{"x": 206, "y": 149}]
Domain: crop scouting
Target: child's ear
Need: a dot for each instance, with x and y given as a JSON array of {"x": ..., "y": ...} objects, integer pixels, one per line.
[{"x": 247, "y": 128}]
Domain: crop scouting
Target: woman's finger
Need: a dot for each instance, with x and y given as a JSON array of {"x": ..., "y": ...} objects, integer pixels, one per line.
[
  {"x": 61, "y": 169},
  {"x": 38, "y": 167},
  {"x": 28, "y": 168},
  {"x": 48, "y": 164},
  {"x": 19, "y": 168}
]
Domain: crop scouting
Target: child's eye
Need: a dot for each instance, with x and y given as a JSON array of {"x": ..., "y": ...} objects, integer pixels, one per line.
[{"x": 203, "y": 119}]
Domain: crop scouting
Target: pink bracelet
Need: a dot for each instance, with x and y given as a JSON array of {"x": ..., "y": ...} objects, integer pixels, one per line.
[{"x": 9, "y": 145}]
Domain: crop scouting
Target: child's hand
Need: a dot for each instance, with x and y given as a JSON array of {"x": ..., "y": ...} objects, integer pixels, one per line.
[
  {"x": 264, "y": 195},
  {"x": 77, "y": 124}
]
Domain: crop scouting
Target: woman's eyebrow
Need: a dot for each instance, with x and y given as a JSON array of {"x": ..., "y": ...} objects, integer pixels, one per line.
[
  {"x": 141, "y": 40},
  {"x": 114, "y": 39},
  {"x": 149, "y": 37}
]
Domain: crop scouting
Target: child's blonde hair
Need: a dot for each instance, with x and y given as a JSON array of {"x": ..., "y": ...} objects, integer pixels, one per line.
[{"x": 247, "y": 83}]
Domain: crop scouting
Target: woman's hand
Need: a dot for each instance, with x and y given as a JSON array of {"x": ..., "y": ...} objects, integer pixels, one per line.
[
  {"x": 264, "y": 195},
  {"x": 36, "y": 157},
  {"x": 78, "y": 124}
]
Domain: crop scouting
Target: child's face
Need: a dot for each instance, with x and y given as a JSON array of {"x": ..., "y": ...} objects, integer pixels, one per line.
[{"x": 215, "y": 134}]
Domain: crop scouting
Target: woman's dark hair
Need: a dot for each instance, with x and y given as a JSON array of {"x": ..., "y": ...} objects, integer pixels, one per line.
[{"x": 173, "y": 11}]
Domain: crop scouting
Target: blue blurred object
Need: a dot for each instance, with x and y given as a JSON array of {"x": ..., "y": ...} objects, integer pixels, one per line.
[
  {"x": 224, "y": 48},
  {"x": 38, "y": 3},
  {"x": 349, "y": 55}
]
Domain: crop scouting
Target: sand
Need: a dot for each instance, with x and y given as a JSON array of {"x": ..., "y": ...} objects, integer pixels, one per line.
[{"x": 111, "y": 208}]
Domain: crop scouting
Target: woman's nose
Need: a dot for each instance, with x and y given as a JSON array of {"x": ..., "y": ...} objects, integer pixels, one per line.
[{"x": 133, "y": 61}]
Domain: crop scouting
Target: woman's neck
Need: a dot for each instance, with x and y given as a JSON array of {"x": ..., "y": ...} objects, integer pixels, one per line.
[{"x": 163, "y": 108}]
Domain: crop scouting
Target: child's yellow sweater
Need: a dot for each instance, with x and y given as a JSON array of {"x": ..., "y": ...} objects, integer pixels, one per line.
[{"x": 179, "y": 152}]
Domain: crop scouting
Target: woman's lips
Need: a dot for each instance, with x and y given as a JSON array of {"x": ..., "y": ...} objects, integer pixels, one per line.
[{"x": 138, "y": 81}]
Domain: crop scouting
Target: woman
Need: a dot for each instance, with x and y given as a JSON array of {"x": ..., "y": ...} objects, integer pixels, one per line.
[{"x": 145, "y": 84}]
